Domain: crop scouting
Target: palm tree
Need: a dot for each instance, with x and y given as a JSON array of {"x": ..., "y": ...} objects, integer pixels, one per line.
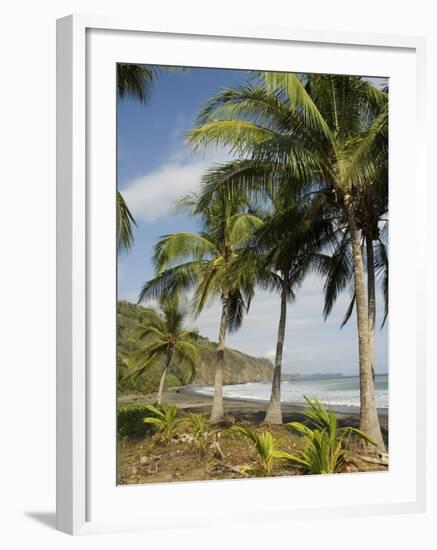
[
  {"x": 321, "y": 130},
  {"x": 371, "y": 207},
  {"x": 337, "y": 270},
  {"x": 164, "y": 341},
  {"x": 204, "y": 263},
  {"x": 281, "y": 252}
]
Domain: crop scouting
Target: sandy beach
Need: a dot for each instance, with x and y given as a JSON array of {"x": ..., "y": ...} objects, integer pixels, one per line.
[
  {"x": 186, "y": 398},
  {"x": 147, "y": 460}
]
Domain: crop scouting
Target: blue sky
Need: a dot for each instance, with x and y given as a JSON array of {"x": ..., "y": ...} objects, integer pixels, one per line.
[{"x": 155, "y": 167}]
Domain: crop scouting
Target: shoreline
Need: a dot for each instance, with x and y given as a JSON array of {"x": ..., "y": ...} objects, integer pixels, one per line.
[
  {"x": 143, "y": 459},
  {"x": 342, "y": 409},
  {"x": 186, "y": 398}
]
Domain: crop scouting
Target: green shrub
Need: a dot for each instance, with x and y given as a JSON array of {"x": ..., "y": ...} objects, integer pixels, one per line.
[
  {"x": 264, "y": 445},
  {"x": 130, "y": 421},
  {"x": 325, "y": 442},
  {"x": 164, "y": 419},
  {"x": 197, "y": 426}
]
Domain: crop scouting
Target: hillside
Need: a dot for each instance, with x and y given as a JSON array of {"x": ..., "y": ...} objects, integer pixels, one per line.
[{"x": 239, "y": 367}]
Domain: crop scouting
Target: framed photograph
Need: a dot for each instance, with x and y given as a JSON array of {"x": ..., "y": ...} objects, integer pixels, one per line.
[{"x": 238, "y": 220}]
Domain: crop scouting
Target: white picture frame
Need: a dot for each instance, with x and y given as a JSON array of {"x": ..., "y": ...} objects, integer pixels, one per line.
[{"x": 78, "y": 422}]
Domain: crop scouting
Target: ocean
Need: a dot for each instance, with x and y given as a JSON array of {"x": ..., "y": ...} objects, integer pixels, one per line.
[{"x": 338, "y": 392}]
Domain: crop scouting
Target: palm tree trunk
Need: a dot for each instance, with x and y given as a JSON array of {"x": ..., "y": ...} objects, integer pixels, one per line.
[
  {"x": 217, "y": 411},
  {"x": 274, "y": 413},
  {"x": 163, "y": 374},
  {"x": 371, "y": 300},
  {"x": 369, "y": 421}
]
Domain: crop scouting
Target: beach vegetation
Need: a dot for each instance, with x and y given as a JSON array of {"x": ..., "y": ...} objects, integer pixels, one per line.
[
  {"x": 264, "y": 446},
  {"x": 281, "y": 255},
  {"x": 325, "y": 442},
  {"x": 304, "y": 192},
  {"x": 204, "y": 264},
  {"x": 165, "y": 419},
  {"x": 325, "y": 136},
  {"x": 239, "y": 367},
  {"x": 198, "y": 427},
  {"x": 164, "y": 340},
  {"x": 130, "y": 421}
]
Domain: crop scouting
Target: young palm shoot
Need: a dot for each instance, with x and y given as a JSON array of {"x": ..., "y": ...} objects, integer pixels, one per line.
[
  {"x": 325, "y": 442},
  {"x": 264, "y": 446},
  {"x": 198, "y": 428},
  {"x": 165, "y": 420}
]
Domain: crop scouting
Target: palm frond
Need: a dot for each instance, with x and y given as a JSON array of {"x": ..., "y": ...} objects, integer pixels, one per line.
[
  {"x": 181, "y": 277},
  {"x": 241, "y": 227},
  {"x": 349, "y": 311},
  {"x": 182, "y": 246},
  {"x": 135, "y": 80},
  {"x": 239, "y": 136},
  {"x": 338, "y": 272},
  {"x": 299, "y": 99},
  {"x": 382, "y": 269},
  {"x": 125, "y": 223},
  {"x": 237, "y": 307},
  {"x": 188, "y": 353},
  {"x": 147, "y": 357}
]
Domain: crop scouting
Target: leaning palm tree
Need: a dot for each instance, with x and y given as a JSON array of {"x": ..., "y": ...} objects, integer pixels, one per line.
[
  {"x": 321, "y": 130},
  {"x": 204, "y": 263},
  {"x": 163, "y": 340}
]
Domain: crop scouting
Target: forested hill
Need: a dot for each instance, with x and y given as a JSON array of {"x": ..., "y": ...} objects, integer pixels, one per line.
[{"x": 239, "y": 367}]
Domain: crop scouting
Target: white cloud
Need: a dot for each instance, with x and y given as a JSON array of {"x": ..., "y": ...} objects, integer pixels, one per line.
[{"x": 151, "y": 196}]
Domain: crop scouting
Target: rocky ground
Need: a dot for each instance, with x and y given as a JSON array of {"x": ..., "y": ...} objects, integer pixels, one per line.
[{"x": 227, "y": 454}]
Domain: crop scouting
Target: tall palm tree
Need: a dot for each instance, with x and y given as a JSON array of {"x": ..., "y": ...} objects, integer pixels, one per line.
[
  {"x": 336, "y": 266},
  {"x": 165, "y": 341},
  {"x": 371, "y": 208},
  {"x": 281, "y": 252},
  {"x": 205, "y": 264},
  {"x": 321, "y": 130}
]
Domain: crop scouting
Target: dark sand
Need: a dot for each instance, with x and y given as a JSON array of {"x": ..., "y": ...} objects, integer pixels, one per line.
[
  {"x": 146, "y": 460},
  {"x": 250, "y": 410}
]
